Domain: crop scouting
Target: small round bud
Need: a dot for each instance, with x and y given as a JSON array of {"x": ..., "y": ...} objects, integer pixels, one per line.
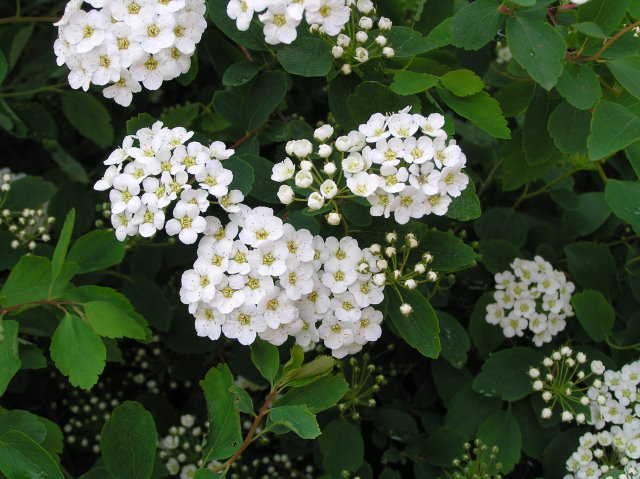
[
  {"x": 410, "y": 284},
  {"x": 333, "y": 218},
  {"x": 343, "y": 40},
  {"x": 375, "y": 248},
  {"x": 329, "y": 189},
  {"x": 390, "y": 251},
  {"x": 420, "y": 268},
  {"x": 286, "y": 194},
  {"x": 580, "y": 418},
  {"x": 384, "y": 24},
  {"x": 362, "y": 54},
  {"x": 315, "y": 201},
  {"x": 388, "y": 52},
  {"x": 379, "y": 279},
  {"x": 381, "y": 40},
  {"x": 306, "y": 165},
  {"x": 366, "y": 23},
  {"x": 346, "y": 69},
  {"x": 337, "y": 51},
  {"x": 547, "y": 396},
  {"x": 323, "y": 133},
  {"x": 365, "y": 6},
  {"x": 324, "y": 151},
  {"x": 567, "y": 416},
  {"x": 534, "y": 373},
  {"x": 432, "y": 276},
  {"x": 546, "y": 413},
  {"x": 371, "y": 403},
  {"x": 361, "y": 36},
  {"x": 382, "y": 264},
  {"x": 427, "y": 258},
  {"x": 581, "y": 357},
  {"x": 537, "y": 385},
  {"x": 303, "y": 179},
  {"x": 584, "y": 400},
  {"x": 406, "y": 309},
  {"x": 397, "y": 274}
]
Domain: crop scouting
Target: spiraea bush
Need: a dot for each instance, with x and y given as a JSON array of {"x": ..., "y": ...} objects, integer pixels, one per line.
[{"x": 320, "y": 239}]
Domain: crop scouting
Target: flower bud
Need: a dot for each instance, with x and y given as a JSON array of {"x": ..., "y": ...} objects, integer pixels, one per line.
[
  {"x": 389, "y": 251},
  {"x": 410, "y": 284},
  {"x": 406, "y": 309},
  {"x": 346, "y": 69},
  {"x": 324, "y": 151},
  {"x": 366, "y": 23},
  {"x": 337, "y": 51},
  {"x": 397, "y": 274},
  {"x": 427, "y": 258},
  {"x": 546, "y": 413},
  {"x": 306, "y": 165},
  {"x": 379, "y": 279},
  {"x": 534, "y": 373},
  {"x": 538, "y": 385},
  {"x": 584, "y": 400},
  {"x": 365, "y": 6},
  {"x": 343, "y": 40},
  {"x": 343, "y": 143},
  {"x": 384, "y": 24},
  {"x": 314, "y": 27},
  {"x": 375, "y": 248},
  {"x": 302, "y": 148},
  {"x": 567, "y": 416},
  {"x": 323, "y": 133},
  {"x": 362, "y": 54},
  {"x": 388, "y": 52},
  {"x": 361, "y": 36},
  {"x": 303, "y": 179},
  {"x": 329, "y": 189},
  {"x": 391, "y": 237},
  {"x": 381, "y": 40},
  {"x": 315, "y": 201},
  {"x": 286, "y": 194},
  {"x": 432, "y": 276},
  {"x": 329, "y": 168},
  {"x": 420, "y": 268},
  {"x": 382, "y": 264},
  {"x": 547, "y": 396},
  {"x": 333, "y": 218}
]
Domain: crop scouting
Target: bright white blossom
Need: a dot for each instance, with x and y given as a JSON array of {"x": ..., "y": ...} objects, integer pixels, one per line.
[{"x": 123, "y": 43}]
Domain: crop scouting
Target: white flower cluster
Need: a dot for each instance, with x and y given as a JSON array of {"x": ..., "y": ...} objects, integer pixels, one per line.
[
  {"x": 532, "y": 295},
  {"x": 401, "y": 163},
  {"x": 122, "y": 43},
  {"x": 156, "y": 166},
  {"x": 260, "y": 277},
  {"x": 503, "y": 53},
  {"x": 280, "y": 18},
  {"x": 614, "y": 401}
]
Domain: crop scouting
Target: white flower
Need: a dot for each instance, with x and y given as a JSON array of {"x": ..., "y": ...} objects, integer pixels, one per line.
[
  {"x": 186, "y": 224},
  {"x": 243, "y": 324},
  {"x": 124, "y": 225},
  {"x": 269, "y": 258},
  {"x": 315, "y": 201},
  {"x": 123, "y": 89},
  {"x": 155, "y": 33},
  {"x": 335, "y": 334},
  {"x": 147, "y": 69},
  {"x": 332, "y": 15},
  {"x": 363, "y": 184},
  {"x": 299, "y": 148},
  {"x": 149, "y": 220},
  {"x": 361, "y": 54},
  {"x": 123, "y": 196},
  {"x": 303, "y": 179},
  {"x": 286, "y": 194},
  {"x": 283, "y": 171},
  {"x": 260, "y": 226},
  {"x": 85, "y": 30},
  {"x": 279, "y": 25},
  {"x": 214, "y": 178},
  {"x": 329, "y": 189},
  {"x": 277, "y": 308},
  {"x": 323, "y": 133}
]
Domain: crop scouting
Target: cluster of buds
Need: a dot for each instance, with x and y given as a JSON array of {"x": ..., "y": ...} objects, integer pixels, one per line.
[
  {"x": 27, "y": 226},
  {"x": 5, "y": 182},
  {"x": 565, "y": 383},
  {"x": 396, "y": 268},
  {"x": 478, "y": 462},
  {"x": 358, "y": 43},
  {"x": 366, "y": 379},
  {"x": 180, "y": 450},
  {"x": 503, "y": 53}
]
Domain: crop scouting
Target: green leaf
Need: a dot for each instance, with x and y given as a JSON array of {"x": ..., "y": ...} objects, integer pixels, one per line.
[
  {"x": 503, "y": 223},
  {"x": 466, "y": 400},
  {"x": 240, "y": 73},
  {"x": 372, "y": 97},
  {"x": 623, "y": 197},
  {"x": 501, "y": 429},
  {"x": 465, "y": 207},
  {"x": 607, "y": 14},
  {"x": 23, "y": 421},
  {"x": 9, "y": 358},
  {"x": 266, "y": 358},
  {"x": 454, "y": 339},
  {"x": 308, "y": 56},
  {"x": 481, "y": 109},
  {"x": 250, "y": 105},
  {"x": 28, "y": 281},
  {"x": 60, "y": 253},
  {"x": 21, "y": 458},
  {"x": 29, "y": 192},
  {"x": 243, "y": 176},
  {"x": 182, "y": 115},
  {"x": 65, "y": 161},
  {"x": 298, "y": 419},
  {"x": 579, "y": 85},
  {"x": 442, "y": 446},
  {"x": 627, "y": 72},
  {"x": 96, "y": 250},
  {"x": 252, "y": 38},
  {"x": 420, "y": 329},
  {"x": 591, "y": 213},
  {"x": 476, "y": 24},
  {"x": 78, "y": 352},
  {"x": 538, "y": 47},
  {"x": 128, "y": 442},
  {"x": 613, "y": 127},
  {"x": 262, "y": 190},
  {"x": 449, "y": 253},
  {"x": 409, "y": 83},
  {"x": 497, "y": 254},
  {"x": 538, "y": 146},
  {"x": 224, "y": 436},
  {"x": 88, "y": 116},
  {"x": 462, "y": 82},
  {"x": 589, "y": 28},
  {"x": 110, "y": 321},
  {"x": 342, "y": 447},
  {"x": 317, "y": 396},
  {"x": 569, "y": 128},
  {"x": 243, "y": 400},
  {"x": 4, "y": 67},
  {"x": 504, "y": 373},
  {"x": 592, "y": 266},
  {"x": 594, "y": 313}
]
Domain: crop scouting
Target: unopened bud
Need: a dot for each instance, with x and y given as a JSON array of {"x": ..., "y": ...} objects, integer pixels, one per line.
[
  {"x": 410, "y": 284},
  {"x": 406, "y": 309},
  {"x": 333, "y": 218},
  {"x": 432, "y": 276}
]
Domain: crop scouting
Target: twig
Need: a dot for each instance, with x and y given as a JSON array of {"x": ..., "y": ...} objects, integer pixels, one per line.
[
  {"x": 18, "y": 19},
  {"x": 608, "y": 43},
  {"x": 57, "y": 304}
]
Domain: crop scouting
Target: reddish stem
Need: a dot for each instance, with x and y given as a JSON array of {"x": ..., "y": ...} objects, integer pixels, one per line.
[{"x": 50, "y": 302}]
